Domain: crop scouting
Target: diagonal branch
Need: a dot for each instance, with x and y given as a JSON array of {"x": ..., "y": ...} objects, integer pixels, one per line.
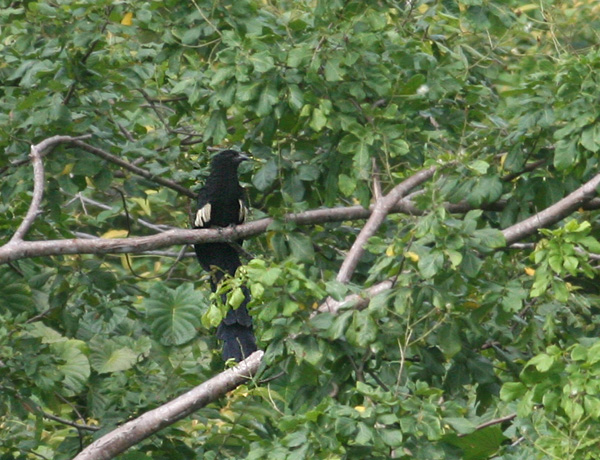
[
  {"x": 134, "y": 431},
  {"x": 135, "y": 169},
  {"x": 357, "y": 301},
  {"x": 382, "y": 208},
  {"x": 554, "y": 213},
  {"x": 37, "y": 151},
  {"x": 493, "y": 422}
]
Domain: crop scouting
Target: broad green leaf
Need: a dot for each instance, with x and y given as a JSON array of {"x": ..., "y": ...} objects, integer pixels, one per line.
[
  {"x": 14, "y": 292},
  {"x": 542, "y": 362},
  {"x": 429, "y": 264},
  {"x": 174, "y": 314},
  {"x": 74, "y": 364},
  {"x": 110, "y": 357},
  {"x": 511, "y": 391},
  {"x": 262, "y": 62},
  {"x": 318, "y": 120},
  {"x": 265, "y": 176},
  {"x": 301, "y": 247},
  {"x": 346, "y": 184},
  {"x": 333, "y": 72}
]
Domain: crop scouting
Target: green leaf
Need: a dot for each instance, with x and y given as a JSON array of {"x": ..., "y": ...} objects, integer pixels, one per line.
[
  {"x": 542, "y": 362},
  {"x": 212, "y": 317},
  {"x": 460, "y": 425},
  {"x": 430, "y": 264},
  {"x": 590, "y": 138},
  {"x": 267, "y": 100},
  {"x": 392, "y": 438},
  {"x": 301, "y": 247},
  {"x": 364, "y": 434},
  {"x": 299, "y": 56},
  {"x": 333, "y": 71},
  {"x": 265, "y": 176},
  {"x": 565, "y": 153},
  {"x": 512, "y": 391},
  {"x": 480, "y": 444},
  {"x": 262, "y": 62},
  {"x": 579, "y": 353},
  {"x": 216, "y": 129},
  {"x": 110, "y": 357},
  {"x": 174, "y": 313},
  {"x": 346, "y": 184},
  {"x": 491, "y": 238},
  {"x": 74, "y": 365},
  {"x": 318, "y": 120},
  {"x": 14, "y": 292}
]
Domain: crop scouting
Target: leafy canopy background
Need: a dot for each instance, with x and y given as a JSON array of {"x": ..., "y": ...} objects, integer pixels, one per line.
[{"x": 502, "y": 96}]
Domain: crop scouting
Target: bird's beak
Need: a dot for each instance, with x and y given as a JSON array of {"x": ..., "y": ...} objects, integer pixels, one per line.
[{"x": 242, "y": 157}]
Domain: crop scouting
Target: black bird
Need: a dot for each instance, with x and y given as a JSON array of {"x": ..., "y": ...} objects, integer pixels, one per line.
[{"x": 220, "y": 204}]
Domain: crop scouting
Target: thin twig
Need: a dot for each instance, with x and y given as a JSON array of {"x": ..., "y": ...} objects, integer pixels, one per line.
[
  {"x": 70, "y": 423},
  {"x": 85, "y": 200},
  {"x": 496, "y": 421},
  {"x": 135, "y": 169},
  {"x": 527, "y": 168}
]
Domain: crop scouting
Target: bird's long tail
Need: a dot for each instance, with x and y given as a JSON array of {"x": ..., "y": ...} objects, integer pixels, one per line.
[
  {"x": 236, "y": 330},
  {"x": 237, "y": 333}
]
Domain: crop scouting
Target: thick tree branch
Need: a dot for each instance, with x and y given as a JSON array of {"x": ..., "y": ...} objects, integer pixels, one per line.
[
  {"x": 357, "y": 301},
  {"x": 37, "y": 151},
  {"x": 554, "y": 213},
  {"x": 134, "y": 431},
  {"x": 27, "y": 249},
  {"x": 382, "y": 208},
  {"x": 38, "y": 193}
]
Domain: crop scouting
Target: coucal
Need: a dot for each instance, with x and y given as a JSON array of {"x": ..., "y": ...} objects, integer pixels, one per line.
[{"x": 221, "y": 203}]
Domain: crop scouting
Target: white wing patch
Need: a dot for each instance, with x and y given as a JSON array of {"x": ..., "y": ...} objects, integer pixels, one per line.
[
  {"x": 243, "y": 212},
  {"x": 203, "y": 216}
]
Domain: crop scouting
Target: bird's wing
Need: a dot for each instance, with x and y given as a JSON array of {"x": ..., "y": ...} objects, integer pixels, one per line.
[
  {"x": 203, "y": 213},
  {"x": 243, "y": 212}
]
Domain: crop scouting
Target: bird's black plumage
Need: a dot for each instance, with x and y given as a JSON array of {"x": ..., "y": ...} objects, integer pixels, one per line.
[{"x": 220, "y": 204}]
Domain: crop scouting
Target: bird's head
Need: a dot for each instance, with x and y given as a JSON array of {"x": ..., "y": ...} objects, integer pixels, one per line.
[{"x": 228, "y": 158}]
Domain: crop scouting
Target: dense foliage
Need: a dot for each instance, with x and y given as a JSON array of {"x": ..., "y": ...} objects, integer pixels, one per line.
[{"x": 501, "y": 95}]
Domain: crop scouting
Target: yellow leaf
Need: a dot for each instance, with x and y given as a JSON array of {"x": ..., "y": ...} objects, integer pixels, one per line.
[
  {"x": 502, "y": 160},
  {"x": 124, "y": 261},
  {"x": 530, "y": 271},
  {"x": 149, "y": 128},
  {"x": 126, "y": 21},
  {"x": 115, "y": 234},
  {"x": 412, "y": 256},
  {"x": 389, "y": 251},
  {"x": 68, "y": 169},
  {"x": 144, "y": 204},
  {"x": 529, "y": 7},
  {"x": 360, "y": 409},
  {"x": 226, "y": 412}
]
